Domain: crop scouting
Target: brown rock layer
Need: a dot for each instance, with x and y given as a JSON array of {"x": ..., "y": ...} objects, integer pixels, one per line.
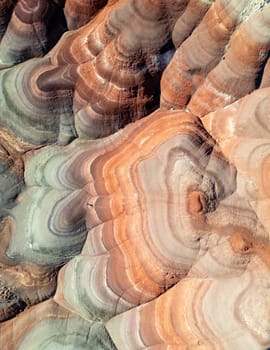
[
  {"x": 6, "y": 7},
  {"x": 145, "y": 215},
  {"x": 225, "y": 282},
  {"x": 34, "y": 28},
  {"x": 79, "y": 12},
  {"x": 159, "y": 232},
  {"x": 208, "y": 70}
]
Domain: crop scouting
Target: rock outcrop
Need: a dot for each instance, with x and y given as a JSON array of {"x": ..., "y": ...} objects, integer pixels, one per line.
[{"x": 134, "y": 174}]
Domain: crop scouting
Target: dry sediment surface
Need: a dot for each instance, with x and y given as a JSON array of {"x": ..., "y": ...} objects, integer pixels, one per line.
[{"x": 134, "y": 175}]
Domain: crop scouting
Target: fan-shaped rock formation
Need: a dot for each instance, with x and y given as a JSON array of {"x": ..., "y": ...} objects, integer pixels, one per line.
[
  {"x": 110, "y": 67},
  {"x": 144, "y": 229},
  {"x": 230, "y": 282},
  {"x": 152, "y": 235}
]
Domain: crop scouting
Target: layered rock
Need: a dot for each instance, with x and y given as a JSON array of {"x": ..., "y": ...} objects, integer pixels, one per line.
[
  {"x": 79, "y": 12},
  {"x": 242, "y": 131},
  {"x": 11, "y": 170},
  {"x": 158, "y": 233},
  {"x": 209, "y": 70},
  {"x": 220, "y": 305},
  {"x": 22, "y": 285},
  {"x": 120, "y": 56},
  {"x": 34, "y": 27},
  {"x": 145, "y": 214},
  {"x": 6, "y": 7},
  {"x": 103, "y": 75},
  {"x": 47, "y": 325},
  {"x": 35, "y": 115}
]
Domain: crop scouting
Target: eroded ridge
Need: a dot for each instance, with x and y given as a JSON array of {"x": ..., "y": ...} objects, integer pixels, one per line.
[{"x": 134, "y": 165}]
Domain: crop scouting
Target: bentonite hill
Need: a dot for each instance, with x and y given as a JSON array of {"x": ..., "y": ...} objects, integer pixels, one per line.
[{"x": 134, "y": 175}]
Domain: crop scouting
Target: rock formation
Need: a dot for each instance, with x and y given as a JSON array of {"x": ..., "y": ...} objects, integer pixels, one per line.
[
  {"x": 79, "y": 12},
  {"x": 209, "y": 70},
  {"x": 134, "y": 165},
  {"x": 230, "y": 283},
  {"x": 97, "y": 78},
  {"x": 34, "y": 27},
  {"x": 143, "y": 235},
  {"x": 47, "y": 325}
]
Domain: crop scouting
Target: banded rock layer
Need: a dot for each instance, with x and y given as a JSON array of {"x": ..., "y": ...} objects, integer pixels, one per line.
[
  {"x": 230, "y": 283},
  {"x": 156, "y": 236},
  {"x": 145, "y": 215},
  {"x": 79, "y": 12},
  {"x": 34, "y": 27},
  {"x": 48, "y": 325},
  {"x": 97, "y": 79},
  {"x": 221, "y": 61},
  {"x": 243, "y": 133}
]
